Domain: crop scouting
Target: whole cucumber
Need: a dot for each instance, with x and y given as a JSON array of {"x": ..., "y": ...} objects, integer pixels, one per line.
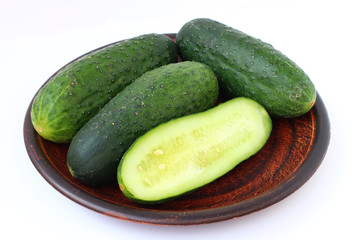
[
  {"x": 246, "y": 66},
  {"x": 79, "y": 90},
  {"x": 157, "y": 96}
]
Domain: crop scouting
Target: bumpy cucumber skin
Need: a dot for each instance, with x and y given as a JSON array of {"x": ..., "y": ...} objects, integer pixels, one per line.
[
  {"x": 246, "y": 66},
  {"x": 159, "y": 95},
  {"x": 267, "y": 122},
  {"x": 79, "y": 90}
]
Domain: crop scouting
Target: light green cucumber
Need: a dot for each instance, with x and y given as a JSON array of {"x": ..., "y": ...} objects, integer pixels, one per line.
[{"x": 184, "y": 154}]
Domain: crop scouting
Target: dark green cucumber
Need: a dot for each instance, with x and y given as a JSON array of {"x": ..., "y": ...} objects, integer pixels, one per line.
[
  {"x": 246, "y": 66},
  {"x": 159, "y": 95},
  {"x": 79, "y": 90},
  {"x": 186, "y": 153}
]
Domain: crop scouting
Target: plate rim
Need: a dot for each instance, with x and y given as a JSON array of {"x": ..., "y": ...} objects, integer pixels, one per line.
[{"x": 189, "y": 217}]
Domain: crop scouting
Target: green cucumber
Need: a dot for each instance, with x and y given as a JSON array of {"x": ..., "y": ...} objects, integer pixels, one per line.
[
  {"x": 184, "y": 154},
  {"x": 159, "y": 95},
  {"x": 79, "y": 90},
  {"x": 246, "y": 66}
]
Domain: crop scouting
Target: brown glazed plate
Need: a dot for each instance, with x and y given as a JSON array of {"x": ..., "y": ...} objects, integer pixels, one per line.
[{"x": 291, "y": 156}]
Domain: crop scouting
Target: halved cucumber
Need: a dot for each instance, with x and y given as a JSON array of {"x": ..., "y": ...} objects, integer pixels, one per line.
[{"x": 189, "y": 152}]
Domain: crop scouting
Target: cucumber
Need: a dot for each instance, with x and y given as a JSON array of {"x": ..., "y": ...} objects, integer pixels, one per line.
[
  {"x": 79, "y": 90},
  {"x": 246, "y": 66},
  {"x": 184, "y": 154},
  {"x": 159, "y": 95}
]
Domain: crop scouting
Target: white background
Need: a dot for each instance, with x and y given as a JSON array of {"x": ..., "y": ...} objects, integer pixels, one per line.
[{"x": 38, "y": 37}]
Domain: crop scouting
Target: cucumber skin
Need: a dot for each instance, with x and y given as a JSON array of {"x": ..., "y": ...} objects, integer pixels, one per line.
[
  {"x": 79, "y": 90},
  {"x": 156, "y": 97},
  {"x": 129, "y": 195},
  {"x": 248, "y": 67}
]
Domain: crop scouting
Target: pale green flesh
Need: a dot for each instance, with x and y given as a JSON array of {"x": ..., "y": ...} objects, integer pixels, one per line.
[{"x": 189, "y": 152}]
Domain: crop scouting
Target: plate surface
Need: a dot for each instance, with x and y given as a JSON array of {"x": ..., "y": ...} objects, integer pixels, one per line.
[{"x": 291, "y": 156}]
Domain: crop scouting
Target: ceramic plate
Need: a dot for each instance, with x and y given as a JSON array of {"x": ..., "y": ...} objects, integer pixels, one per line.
[{"x": 291, "y": 156}]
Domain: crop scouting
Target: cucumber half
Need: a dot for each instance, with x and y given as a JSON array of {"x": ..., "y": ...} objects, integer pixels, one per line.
[{"x": 186, "y": 153}]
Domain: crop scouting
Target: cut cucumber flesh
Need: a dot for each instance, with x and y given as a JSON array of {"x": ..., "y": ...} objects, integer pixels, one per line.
[{"x": 189, "y": 152}]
